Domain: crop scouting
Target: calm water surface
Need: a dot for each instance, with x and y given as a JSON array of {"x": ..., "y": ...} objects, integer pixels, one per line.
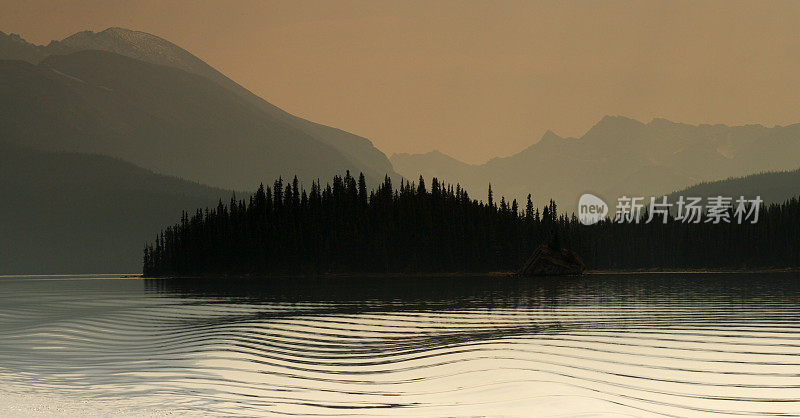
[{"x": 637, "y": 345}]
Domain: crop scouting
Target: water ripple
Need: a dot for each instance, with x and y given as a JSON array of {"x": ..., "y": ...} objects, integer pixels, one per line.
[{"x": 717, "y": 345}]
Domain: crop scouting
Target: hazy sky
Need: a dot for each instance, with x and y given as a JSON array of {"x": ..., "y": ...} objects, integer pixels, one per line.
[{"x": 474, "y": 79}]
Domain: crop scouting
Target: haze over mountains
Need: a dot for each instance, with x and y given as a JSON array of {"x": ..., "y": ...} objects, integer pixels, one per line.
[
  {"x": 144, "y": 101},
  {"x": 92, "y": 128},
  {"x": 77, "y": 213},
  {"x": 620, "y": 156},
  {"x": 150, "y": 102}
]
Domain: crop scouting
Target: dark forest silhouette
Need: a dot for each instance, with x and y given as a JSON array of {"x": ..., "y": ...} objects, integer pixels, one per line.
[{"x": 343, "y": 228}]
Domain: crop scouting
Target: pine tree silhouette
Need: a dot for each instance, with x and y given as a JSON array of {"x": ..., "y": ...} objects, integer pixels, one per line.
[{"x": 342, "y": 227}]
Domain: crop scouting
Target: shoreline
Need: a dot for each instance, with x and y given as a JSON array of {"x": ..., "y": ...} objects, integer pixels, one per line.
[
  {"x": 697, "y": 271},
  {"x": 450, "y": 275},
  {"x": 500, "y": 274}
]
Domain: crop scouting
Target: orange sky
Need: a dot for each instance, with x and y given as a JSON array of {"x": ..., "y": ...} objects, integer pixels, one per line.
[{"x": 474, "y": 79}]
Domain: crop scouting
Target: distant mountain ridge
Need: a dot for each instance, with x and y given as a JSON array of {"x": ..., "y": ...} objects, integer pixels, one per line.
[
  {"x": 358, "y": 151},
  {"x": 620, "y": 156},
  {"x": 435, "y": 164}
]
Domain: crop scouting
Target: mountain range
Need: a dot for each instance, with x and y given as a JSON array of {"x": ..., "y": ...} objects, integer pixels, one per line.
[
  {"x": 105, "y": 137},
  {"x": 136, "y": 96},
  {"x": 619, "y": 156}
]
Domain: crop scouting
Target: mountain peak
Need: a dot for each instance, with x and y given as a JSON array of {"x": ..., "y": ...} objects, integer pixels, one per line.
[
  {"x": 113, "y": 31},
  {"x": 550, "y": 136},
  {"x": 15, "y": 47},
  {"x": 127, "y": 42},
  {"x": 117, "y": 29},
  {"x": 13, "y": 37},
  {"x": 609, "y": 124},
  {"x": 352, "y": 150},
  {"x": 619, "y": 120}
]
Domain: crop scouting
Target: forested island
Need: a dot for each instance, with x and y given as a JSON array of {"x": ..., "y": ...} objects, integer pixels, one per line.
[{"x": 342, "y": 228}]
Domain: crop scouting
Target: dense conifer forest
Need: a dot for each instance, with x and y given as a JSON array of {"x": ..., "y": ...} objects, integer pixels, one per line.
[{"x": 343, "y": 228}]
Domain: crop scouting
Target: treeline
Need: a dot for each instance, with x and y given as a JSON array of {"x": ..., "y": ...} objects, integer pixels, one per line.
[{"x": 343, "y": 228}]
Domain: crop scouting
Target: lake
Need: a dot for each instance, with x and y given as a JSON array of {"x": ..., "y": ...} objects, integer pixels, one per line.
[{"x": 614, "y": 344}]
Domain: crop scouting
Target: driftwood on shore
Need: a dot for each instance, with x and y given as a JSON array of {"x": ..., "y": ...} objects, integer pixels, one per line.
[{"x": 547, "y": 261}]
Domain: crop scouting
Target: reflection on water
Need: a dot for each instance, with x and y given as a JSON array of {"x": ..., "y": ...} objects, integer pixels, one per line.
[{"x": 672, "y": 344}]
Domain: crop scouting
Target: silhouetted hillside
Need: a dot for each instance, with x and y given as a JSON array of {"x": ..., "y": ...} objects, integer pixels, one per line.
[
  {"x": 775, "y": 187},
  {"x": 77, "y": 213},
  {"x": 158, "y": 117},
  {"x": 357, "y": 152}
]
